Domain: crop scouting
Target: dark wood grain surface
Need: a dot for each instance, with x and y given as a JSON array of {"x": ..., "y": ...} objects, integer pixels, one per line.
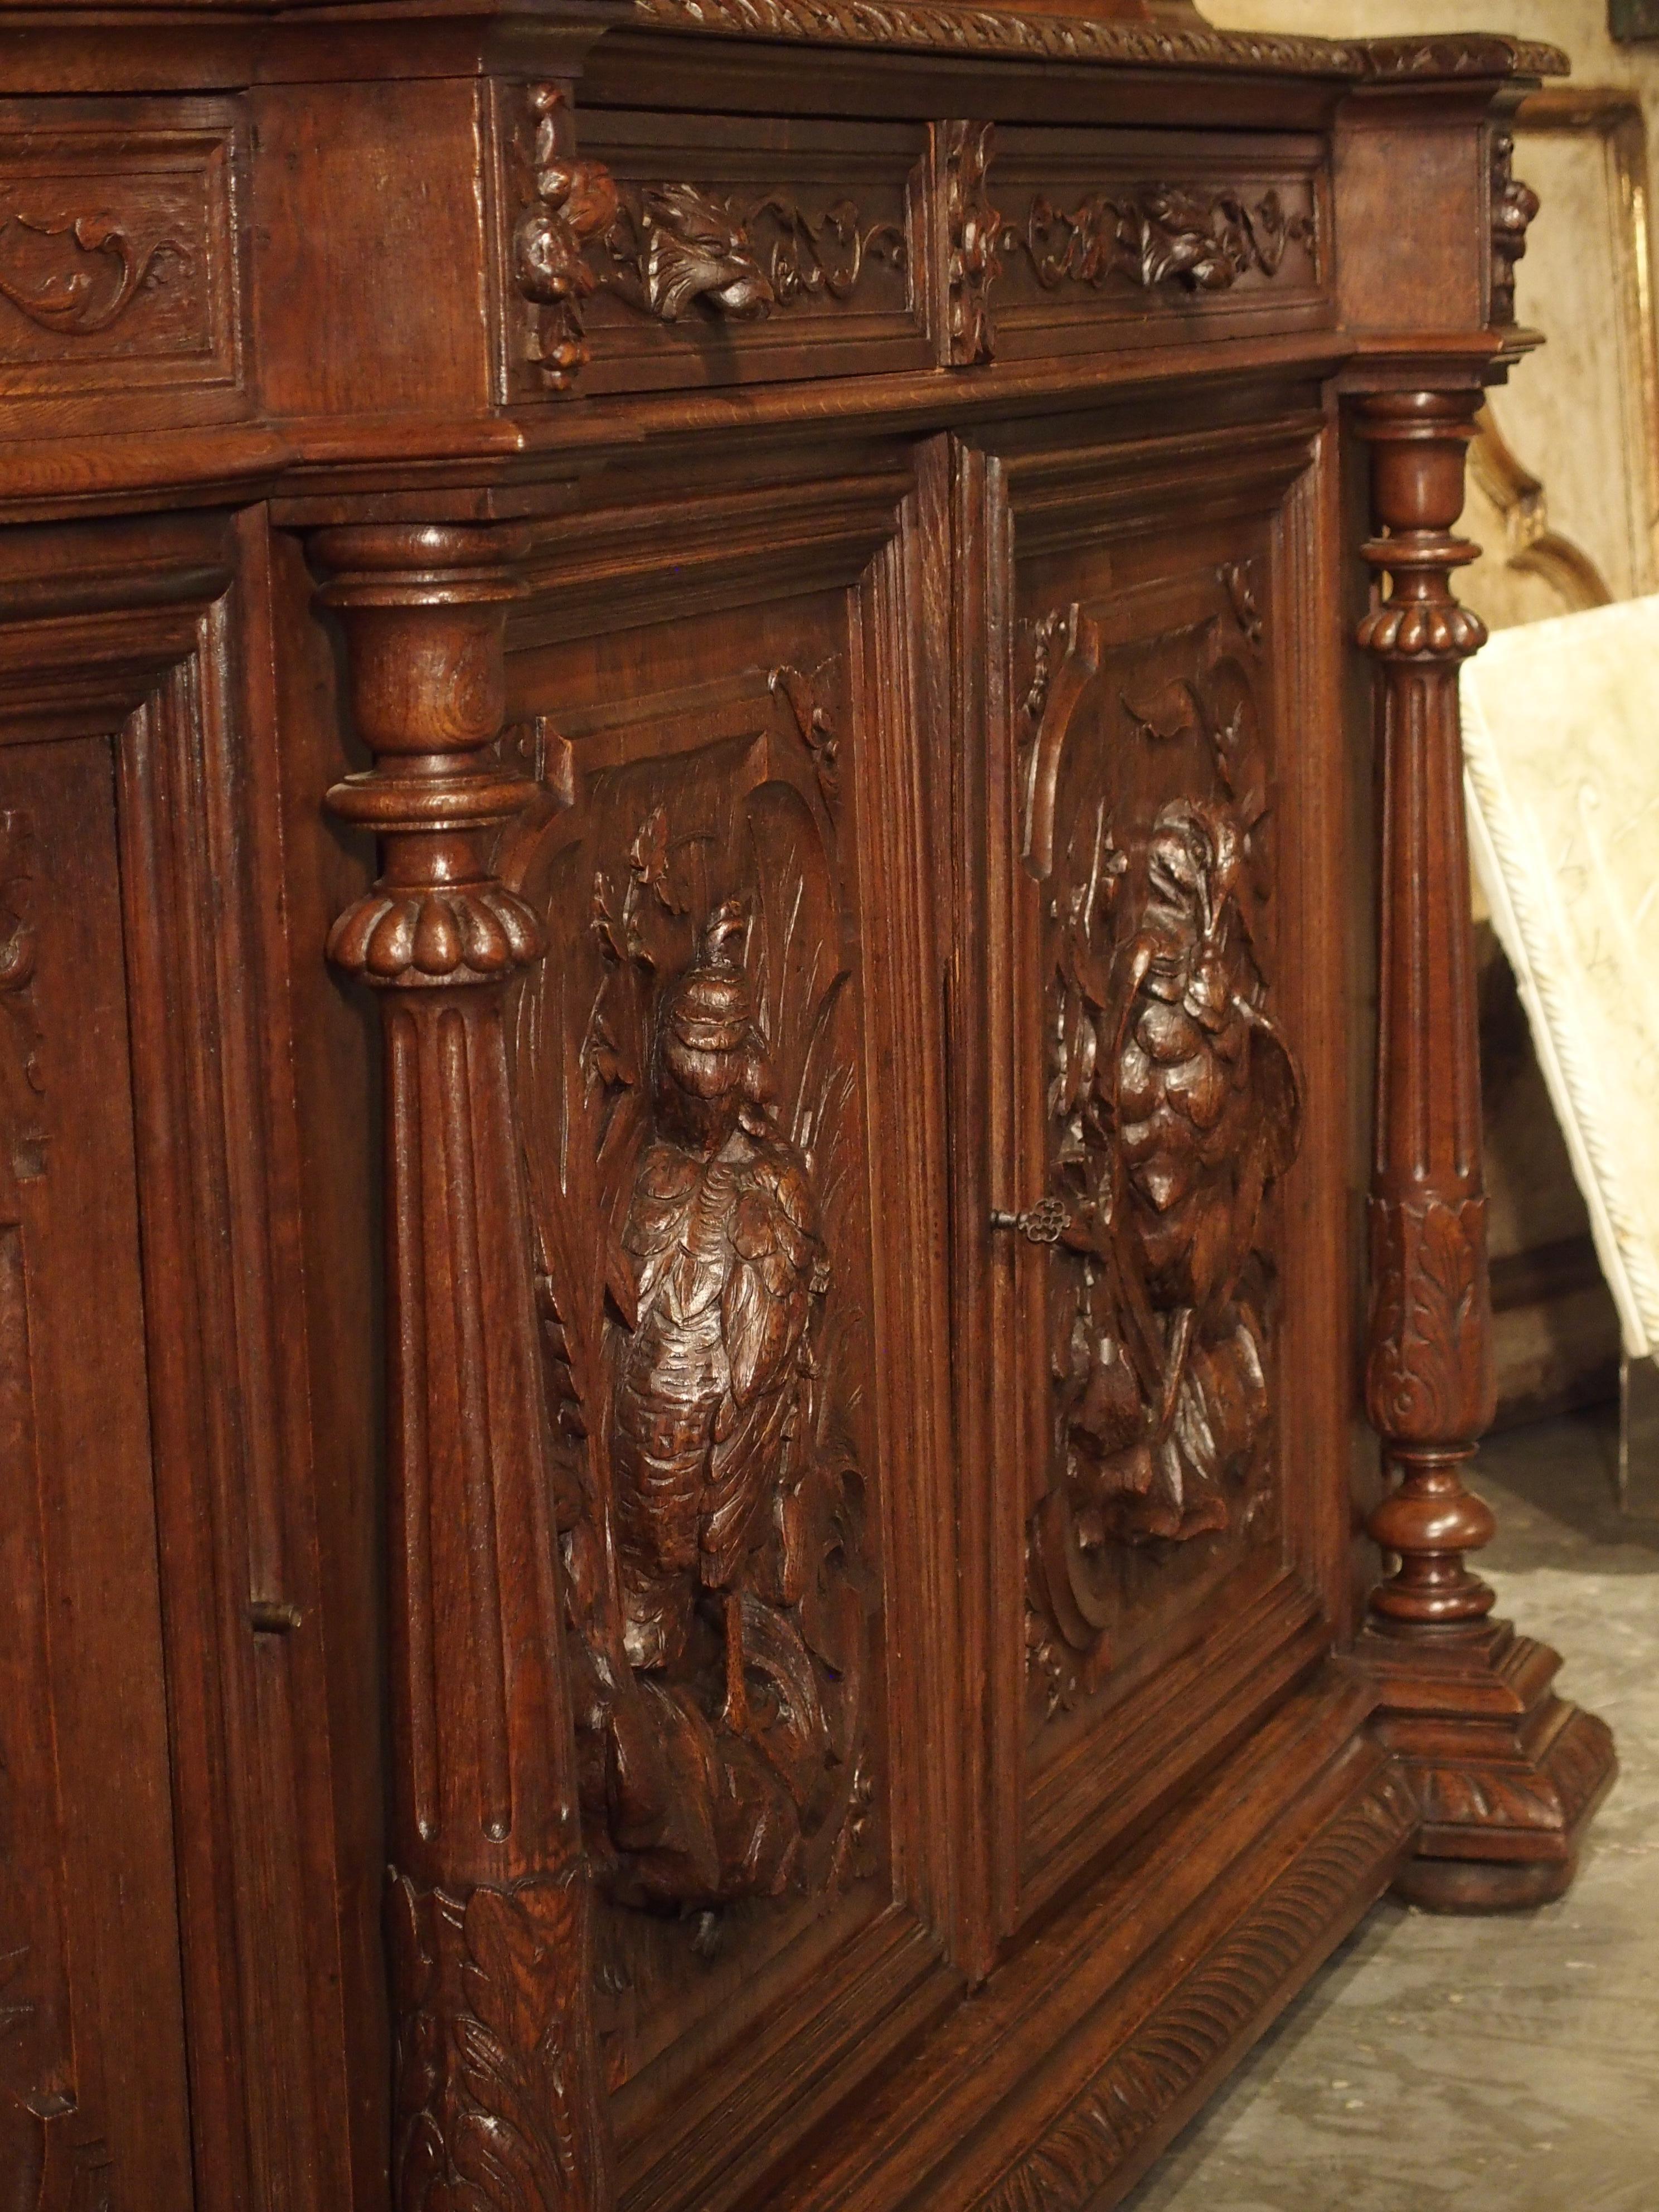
[{"x": 711, "y": 938}]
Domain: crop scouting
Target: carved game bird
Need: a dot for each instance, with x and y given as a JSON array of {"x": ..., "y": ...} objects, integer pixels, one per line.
[
  {"x": 1196, "y": 1111},
  {"x": 722, "y": 1234}
]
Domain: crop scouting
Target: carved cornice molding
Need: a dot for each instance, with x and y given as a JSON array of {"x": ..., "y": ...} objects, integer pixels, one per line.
[
  {"x": 1065, "y": 38},
  {"x": 1473, "y": 53}
]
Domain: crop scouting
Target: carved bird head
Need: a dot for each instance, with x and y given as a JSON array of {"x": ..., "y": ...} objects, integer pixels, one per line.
[
  {"x": 1194, "y": 861},
  {"x": 712, "y": 1069}
]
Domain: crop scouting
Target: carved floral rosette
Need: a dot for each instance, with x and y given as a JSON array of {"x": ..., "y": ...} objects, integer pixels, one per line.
[
  {"x": 686, "y": 1069},
  {"x": 1173, "y": 1104}
]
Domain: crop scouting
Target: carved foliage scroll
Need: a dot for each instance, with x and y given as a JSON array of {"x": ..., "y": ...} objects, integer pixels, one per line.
[
  {"x": 673, "y": 246},
  {"x": 687, "y": 1081},
  {"x": 116, "y": 246},
  {"x": 1202, "y": 238},
  {"x": 1173, "y": 1104}
]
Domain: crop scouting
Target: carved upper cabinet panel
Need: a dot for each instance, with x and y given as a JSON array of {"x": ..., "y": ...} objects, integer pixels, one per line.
[
  {"x": 690, "y": 1065},
  {"x": 682, "y": 250},
  {"x": 1173, "y": 1106},
  {"x": 1153, "y": 1069},
  {"x": 1155, "y": 236},
  {"x": 117, "y": 256}
]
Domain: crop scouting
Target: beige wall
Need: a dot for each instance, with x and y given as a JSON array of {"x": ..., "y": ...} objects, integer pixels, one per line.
[{"x": 1582, "y": 417}]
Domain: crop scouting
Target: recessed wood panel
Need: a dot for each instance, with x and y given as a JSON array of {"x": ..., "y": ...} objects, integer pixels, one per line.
[
  {"x": 1150, "y": 238},
  {"x": 93, "y": 2090},
  {"x": 738, "y": 249},
  {"x": 117, "y": 252},
  {"x": 715, "y": 1122}
]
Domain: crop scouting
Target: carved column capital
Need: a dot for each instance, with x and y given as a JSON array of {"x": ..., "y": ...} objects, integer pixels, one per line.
[
  {"x": 498, "y": 2095},
  {"x": 425, "y": 613}
]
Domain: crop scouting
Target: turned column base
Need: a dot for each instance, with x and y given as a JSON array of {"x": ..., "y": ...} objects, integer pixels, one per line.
[{"x": 1508, "y": 1774}]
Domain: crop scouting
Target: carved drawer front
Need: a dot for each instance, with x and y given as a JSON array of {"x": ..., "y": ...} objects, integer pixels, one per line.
[
  {"x": 118, "y": 253},
  {"x": 1158, "y": 1208},
  {"x": 1153, "y": 237},
  {"x": 699, "y": 250},
  {"x": 729, "y": 1287}
]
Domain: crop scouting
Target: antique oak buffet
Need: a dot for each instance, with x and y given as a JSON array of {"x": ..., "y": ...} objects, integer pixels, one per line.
[{"x": 774, "y": 1417}]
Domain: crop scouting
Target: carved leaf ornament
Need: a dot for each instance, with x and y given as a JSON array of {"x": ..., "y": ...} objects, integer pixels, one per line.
[
  {"x": 1159, "y": 234},
  {"x": 488, "y": 2010},
  {"x": 108, "y": 272}
]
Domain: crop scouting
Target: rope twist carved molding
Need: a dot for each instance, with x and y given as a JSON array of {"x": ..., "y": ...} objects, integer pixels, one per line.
[
  {"x": 1125, "y": 2101},
  {"x": 968, "y": 30}
]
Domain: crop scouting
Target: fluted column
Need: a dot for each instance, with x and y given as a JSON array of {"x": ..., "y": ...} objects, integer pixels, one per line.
[
  {"x": 1429, "y": 1382},
  {"x": 1508, "y": 1773},
  {"x": 497, "y": 2099}
]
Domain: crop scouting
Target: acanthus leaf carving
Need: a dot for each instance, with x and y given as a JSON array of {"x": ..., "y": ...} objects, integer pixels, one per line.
[
  {"x": 973, "y": 227},
  {"x": 80, "y": 301},
  {"x": 1427, "y": 1375},
  {"x": 1174, "y": 1105},
  {"x": 487, "y": 2015},
  {"x": 673, "y": 246},
  {"x": 1156, "y": 234}
]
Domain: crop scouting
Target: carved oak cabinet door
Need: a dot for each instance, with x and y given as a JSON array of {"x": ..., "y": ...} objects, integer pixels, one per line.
[
  {"x": 1159, "y": 1001},
  {"x": 727, "y": 1141},
  {"x": 93, "y": 2111}
]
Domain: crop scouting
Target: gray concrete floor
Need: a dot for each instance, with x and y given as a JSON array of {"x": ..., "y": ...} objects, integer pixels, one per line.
[{"x": 1487, "y": 2065}]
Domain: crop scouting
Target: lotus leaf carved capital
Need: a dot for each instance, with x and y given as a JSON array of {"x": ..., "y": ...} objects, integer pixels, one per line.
[{"x": 458, "y": 934}]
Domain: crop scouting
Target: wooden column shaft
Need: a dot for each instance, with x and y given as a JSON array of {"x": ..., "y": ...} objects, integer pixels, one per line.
[
  {"x": 1428, "y": 1378},
  {"x": 497, "y": 2072}
]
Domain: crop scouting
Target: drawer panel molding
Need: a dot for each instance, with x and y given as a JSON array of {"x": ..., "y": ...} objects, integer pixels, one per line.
[{"x": 116, "y": 260}]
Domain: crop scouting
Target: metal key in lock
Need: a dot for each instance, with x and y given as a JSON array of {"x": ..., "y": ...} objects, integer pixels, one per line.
[{"x": 1045, "y": 1223}]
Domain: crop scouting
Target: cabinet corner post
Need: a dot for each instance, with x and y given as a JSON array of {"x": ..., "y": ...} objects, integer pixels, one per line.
[
  {"x": 497, "y": 2091},
  {"x": 1508, "y": 1773}
]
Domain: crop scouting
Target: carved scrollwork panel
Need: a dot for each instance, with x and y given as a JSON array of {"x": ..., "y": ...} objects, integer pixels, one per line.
[
  {"x": 1088, "y": 240},
  {"x": 117, "y": 260},
  {"x": 1173, "y": 1105},
  {"x": 1156, "y": 234},
  {"x": 739, "y": 255},
  {"x": 687, "y": 1074},
  {"x": 656, "y": 255}
]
